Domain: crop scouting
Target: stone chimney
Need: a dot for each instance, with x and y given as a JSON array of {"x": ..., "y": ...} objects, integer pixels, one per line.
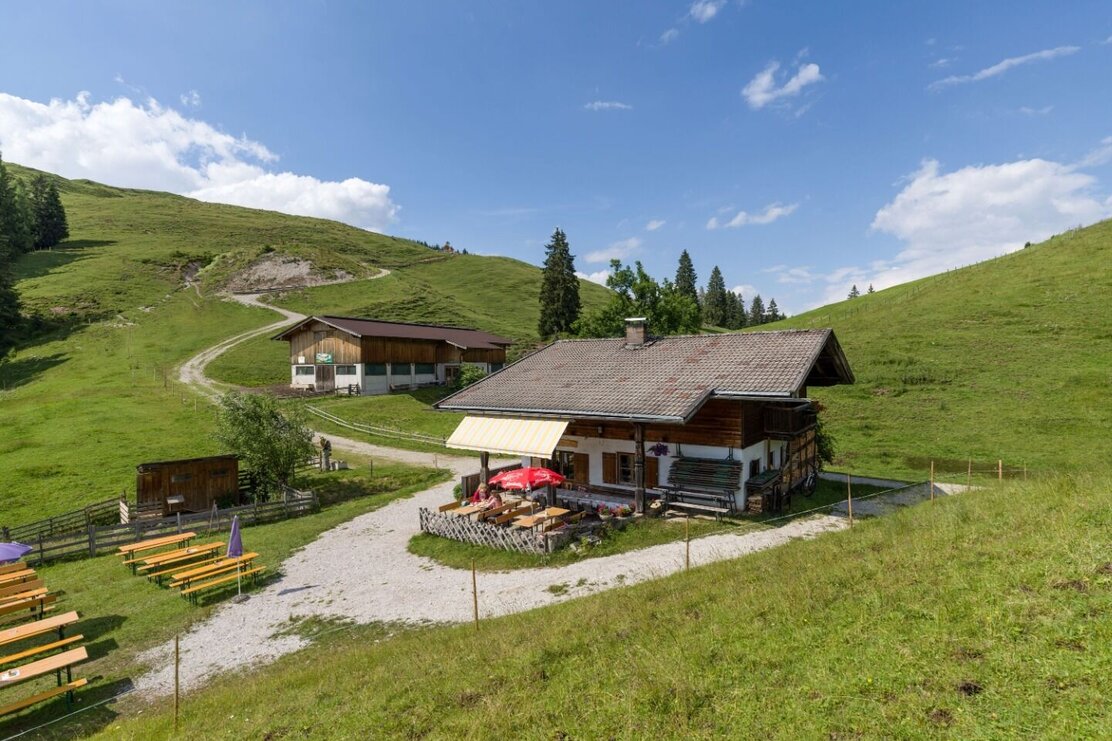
[{"x": 635, "y": 333}]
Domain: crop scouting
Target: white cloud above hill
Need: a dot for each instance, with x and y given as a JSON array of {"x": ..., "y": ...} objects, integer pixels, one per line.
[
  {"x": 147, "y": 145},
  {"x": 614, "y": 251}
]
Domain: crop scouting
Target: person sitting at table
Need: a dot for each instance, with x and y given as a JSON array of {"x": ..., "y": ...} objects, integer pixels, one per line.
[
  {"x": 481, "y": 494},
  {"x": 494, "y": 500}
]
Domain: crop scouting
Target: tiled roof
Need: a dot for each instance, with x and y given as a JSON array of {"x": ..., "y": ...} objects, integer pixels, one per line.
[
  {"x": 459, "y": 336},
  {"x": 667, "y": 378}
]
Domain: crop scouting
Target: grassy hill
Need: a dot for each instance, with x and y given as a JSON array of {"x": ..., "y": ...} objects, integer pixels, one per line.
[
  {"x": 92, "y": 393},
  {"x": 980, "y": 616},
  {"x": 1007, "y": 359}
]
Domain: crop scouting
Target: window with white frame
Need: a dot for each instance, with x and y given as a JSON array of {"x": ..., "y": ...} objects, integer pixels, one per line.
[
  {"x": 303, "y": 370},
  {"x": 345, "y": 370}
]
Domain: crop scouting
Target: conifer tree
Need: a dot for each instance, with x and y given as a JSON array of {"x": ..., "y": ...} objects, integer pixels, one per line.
[
  {"x": 714, "y": 300},
  {"x": 757, "y": 311},
  {"x": 853, "y": 292},
  {"x": 871, "y": 288},
  {"x": 559, "y": 288},
  {"x": 686, "y": 280},
  {"x": 9, "y": 301},
  {"x": 773, "y": 311},
  {"x": 16, "y": 220},
  {"x": 49, "y": 214}
]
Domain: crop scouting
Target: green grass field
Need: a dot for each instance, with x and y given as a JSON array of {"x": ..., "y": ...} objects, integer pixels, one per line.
[
  {"x": 986, "y": 615},
  {"x": 124, "y": 615},
  {"x": 1009, "y": 359}
]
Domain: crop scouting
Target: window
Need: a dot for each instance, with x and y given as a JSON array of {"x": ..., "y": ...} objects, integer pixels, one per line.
[
  {"x": 303, "y": 370},
  {"x": 374, "y": 369},
  {"x": 399, "y": 369},
  {"x": 496, "y": 367},
  {"x": 427, "y": 369},
  {"x": 345, "y": 370},
  {"x": 625, "y": 468},
  {"x": 181, "y": 477},
  {"x": 564, "y": 463},
  {"x": 217, "y": 473}
]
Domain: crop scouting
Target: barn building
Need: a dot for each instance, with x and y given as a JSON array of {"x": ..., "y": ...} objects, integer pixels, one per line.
[
  {"x": 376, "y": 357},
  {"x": 715, "y": 423}
]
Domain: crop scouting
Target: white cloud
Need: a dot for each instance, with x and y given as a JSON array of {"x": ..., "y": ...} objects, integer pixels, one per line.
[
  {"x": 704, "y": 10},
  {"x": 947, "y": 220},
  {"x": 1099, "y": 156},
  {"x": 746, "y": 290},
  {"x": 762, "y": 89},
  {"x": 771, "y": 213},
  {"x": 615, "y": 250},
  {"x": 1001, "y": 67},
  {"x": 146, "y": 145},
  {"x": 940, "y": 63},
  {"x": 598, "y": 277},
  {"x": 655, "y": 224},
  {"x": 1107, "y": 40},
  {"x": 191, "y": 99},
  {"x": 608, "y": 105},
  {"x": 1028, "y": 111},
  {"x": 669, "y": 36}
]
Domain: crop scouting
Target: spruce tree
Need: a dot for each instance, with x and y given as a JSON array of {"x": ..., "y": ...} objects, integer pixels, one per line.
[
  {"x": 714, "y": 300},
  {"x": 757, "y": 311},
  {"x": 686, "y": 280},
  {"x": 16, "y": 220},
  {"x": 9, "y": 301},
  {"x": 773, "y": 311},
  {"x": 853, "y": 292},
  {"x": 49, "y": 214},
  {"x": 559, "y": 288},
  {"x": 871, "y": 288}
]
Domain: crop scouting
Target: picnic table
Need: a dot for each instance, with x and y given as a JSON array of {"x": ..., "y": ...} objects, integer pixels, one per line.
[
  {"x": 192, "y": 581},
  {"x": 531, "y": 521},
  {"x": 55, "y": 664},
  {"x": 179, "y": 557},
  {"x": 37, "y": 628},
  {"x": 132, "y": 549}
]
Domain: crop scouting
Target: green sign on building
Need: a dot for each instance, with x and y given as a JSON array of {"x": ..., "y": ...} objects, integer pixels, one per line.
[{"x": 324, "y": 358}]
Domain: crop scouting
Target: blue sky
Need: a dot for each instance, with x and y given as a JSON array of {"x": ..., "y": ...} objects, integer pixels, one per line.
[{"x": 801, "y": 147}]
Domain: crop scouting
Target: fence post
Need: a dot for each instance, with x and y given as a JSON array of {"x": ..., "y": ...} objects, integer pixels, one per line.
[
  {"x": 92, "y": 541},
  {"x": 932, "y": 481},
  {"x": 999, "y": 470},
  {"x": 475, "y": 593},
  {"x": 849, "y": 500},
  {"x": 7, "y": 538},
  {"x": 969, "y": 475},
  {"x": 179, "y": 522},
  {"x": 41, "y": 559}
]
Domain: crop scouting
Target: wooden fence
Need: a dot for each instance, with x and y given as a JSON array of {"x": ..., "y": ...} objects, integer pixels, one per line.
[
  {"x": 100, "y": 539},
  {"x": 469, "y": 483},
  {"x": 466, "y": 530},
  {"x": 99, "y": 513}
]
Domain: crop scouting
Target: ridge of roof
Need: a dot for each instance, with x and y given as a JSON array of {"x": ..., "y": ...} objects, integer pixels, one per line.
[{"x": 401, "y": 324}]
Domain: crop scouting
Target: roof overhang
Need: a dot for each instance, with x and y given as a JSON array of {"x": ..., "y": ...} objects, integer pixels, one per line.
[
  {"x": 508, "y": 435},
  {"x": 284, "y": 334}
]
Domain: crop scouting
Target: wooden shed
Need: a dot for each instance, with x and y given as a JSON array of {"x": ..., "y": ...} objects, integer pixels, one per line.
[{"x": 191, "y": 485}]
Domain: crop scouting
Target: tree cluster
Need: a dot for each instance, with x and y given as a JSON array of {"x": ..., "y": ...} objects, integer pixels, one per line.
[
  {"x": 722, "y": 307},
  {"x": 30, "y": 220},
  {"x": 638, "y": 294},
  {"x": 271, "y": 441}
]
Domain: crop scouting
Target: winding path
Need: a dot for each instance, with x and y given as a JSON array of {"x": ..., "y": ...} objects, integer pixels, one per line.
[{"x": 362, "y": 571}]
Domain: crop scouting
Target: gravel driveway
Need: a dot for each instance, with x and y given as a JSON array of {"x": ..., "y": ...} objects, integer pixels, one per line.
[{"x": 362, "y": 571}]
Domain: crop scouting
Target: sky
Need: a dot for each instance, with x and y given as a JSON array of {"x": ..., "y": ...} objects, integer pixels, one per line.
[{"x": 801, "y": 147}]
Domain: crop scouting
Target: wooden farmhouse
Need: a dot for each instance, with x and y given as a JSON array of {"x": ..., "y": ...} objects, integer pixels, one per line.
[
  {"x": 191, "y": 485},
  {"x": 716, "y": 422},
  {"x": 369, "y": 356}
]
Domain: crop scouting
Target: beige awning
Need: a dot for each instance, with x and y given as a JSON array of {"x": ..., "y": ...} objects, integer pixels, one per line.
[{"x": 509, "y": 435}]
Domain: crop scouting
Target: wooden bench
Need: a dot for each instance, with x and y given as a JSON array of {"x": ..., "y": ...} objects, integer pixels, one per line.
[
  {"x": 514, "y": 513},
  {"x": 176, "y": 568},
  {"x": 448, "y": 506},
  {"x": 24, "y": 586},
  {"x": 192, "y": 591},
  {"x": 182, "y": 579},
  {"x": 131, "y": 551},
  {"x": 179, "y": 556},
  {"x": 715, "y": 502},
  {"x": 55, "y": 664},
  {"x": 493, "y": 512},
  {"x": 30, "y": 630},
  {"x": 10, "y": 567},
  {"x": 34, "y": 606},
  {"x": 11, "y": 658},
  {"x": 15, "y": 577}
]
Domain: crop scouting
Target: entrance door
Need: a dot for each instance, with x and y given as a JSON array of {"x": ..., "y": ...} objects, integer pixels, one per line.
[
  {"x": 326, "y": 378},
  {"x": 451, "y": 373}
]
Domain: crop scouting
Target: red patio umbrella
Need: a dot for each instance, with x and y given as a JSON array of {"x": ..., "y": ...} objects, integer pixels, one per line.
[{"x": 527, "y": 478}]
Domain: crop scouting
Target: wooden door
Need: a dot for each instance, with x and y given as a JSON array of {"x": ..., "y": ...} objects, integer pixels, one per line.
[
  {"x": 582, "y": 468},
  {"x": 326, "y": 378},
  {"x": 652, "y": 472}
]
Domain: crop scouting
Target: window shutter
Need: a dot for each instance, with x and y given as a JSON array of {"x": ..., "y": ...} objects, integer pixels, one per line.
[
  {"x": 582, "y": 468},
  {"x": 609, "y": 468},
  {"x": 652, "y": 472}
]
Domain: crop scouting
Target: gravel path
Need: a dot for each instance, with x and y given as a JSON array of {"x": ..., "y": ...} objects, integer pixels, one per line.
[{"x": 362, "y": 571}]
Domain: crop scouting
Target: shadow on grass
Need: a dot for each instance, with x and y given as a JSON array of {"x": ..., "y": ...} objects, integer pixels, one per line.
[
  {"x": 16, "y": 373},
  {"x": 64, "y": 721},
  {"x": 42, "y": 262}
]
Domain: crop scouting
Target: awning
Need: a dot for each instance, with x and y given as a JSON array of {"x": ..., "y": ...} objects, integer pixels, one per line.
[{"x": 509, "y": 435}]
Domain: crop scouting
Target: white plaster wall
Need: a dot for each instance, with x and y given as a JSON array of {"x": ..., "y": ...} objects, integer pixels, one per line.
[{"x": 301, "y": 381}]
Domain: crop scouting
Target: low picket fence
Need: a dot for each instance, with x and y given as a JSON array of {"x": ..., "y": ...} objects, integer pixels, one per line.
[
  {"x": 466, "y": 530},
  {"x": 99, "y": 539},
  {"x": 79, "y": 520}
]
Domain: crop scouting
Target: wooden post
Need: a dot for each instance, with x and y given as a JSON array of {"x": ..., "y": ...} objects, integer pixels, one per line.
[
  {"x": 1025, "y": 470},
  {"x": 550, "y": 495},
  {"x": 849, "y": 499},
  {"x": 475, "y": 593},
  {"x": 969, "y": 475},
  {"x": 687, "y": 542},
  {"x": 92, "y": 541},
  {"x": 484, "y": 469},
  {"x": 999, "y": 470},
  {"x": 932, "y": 481},
  {"x": 179, "y": 522},
  {"x": 177, "y": 681},
  {"x": 639, "y": 468}
]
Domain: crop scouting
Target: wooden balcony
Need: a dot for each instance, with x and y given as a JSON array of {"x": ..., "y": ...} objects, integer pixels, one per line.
[{"x": 785, "y": 422}]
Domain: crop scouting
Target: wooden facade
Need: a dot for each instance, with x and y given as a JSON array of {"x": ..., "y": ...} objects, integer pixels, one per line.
[
  {"x": 191, "y": 485},
  {"x": 721, "y": 423}
]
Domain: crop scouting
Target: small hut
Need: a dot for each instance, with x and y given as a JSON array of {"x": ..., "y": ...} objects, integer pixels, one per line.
[{"x": 191, "y": 485}]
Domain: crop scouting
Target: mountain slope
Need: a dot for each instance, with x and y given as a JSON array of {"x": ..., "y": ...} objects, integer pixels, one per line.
[
  {"x": 1007, "y": 359},
  {"x": 136, "y": 291}
]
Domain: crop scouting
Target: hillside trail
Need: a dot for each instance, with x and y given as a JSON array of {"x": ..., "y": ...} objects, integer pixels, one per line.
[{"x": 362, "y": 572}]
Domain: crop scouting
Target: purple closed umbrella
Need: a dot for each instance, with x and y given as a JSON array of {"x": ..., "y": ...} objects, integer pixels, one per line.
[
  {"x": 235, "y": 542},
  {"x": 13, "y": 551}
]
